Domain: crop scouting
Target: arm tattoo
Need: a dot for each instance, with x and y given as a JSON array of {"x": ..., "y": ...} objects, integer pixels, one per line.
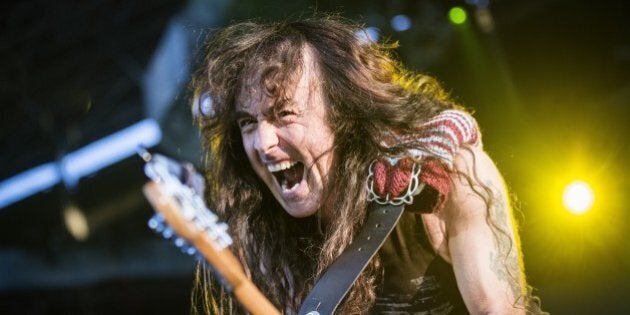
[{"x": 504, "y": 257}]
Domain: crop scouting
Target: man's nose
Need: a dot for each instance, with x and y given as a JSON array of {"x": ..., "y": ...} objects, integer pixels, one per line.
[{"x": 266, "y": 138}]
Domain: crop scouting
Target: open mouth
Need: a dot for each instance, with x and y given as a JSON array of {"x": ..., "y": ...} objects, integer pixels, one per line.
[{"x": 288, "y": 174}]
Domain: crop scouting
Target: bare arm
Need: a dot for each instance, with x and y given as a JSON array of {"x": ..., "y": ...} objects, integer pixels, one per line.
[{"x": 481, "y": 241}]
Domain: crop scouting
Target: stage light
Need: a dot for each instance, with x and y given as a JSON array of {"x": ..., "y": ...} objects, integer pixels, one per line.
[
  {"x": 76, "y": 222},
  {"x": 578, "y": 197},
  {"x": 83, "y": 222},
  {"x": 457, "y": 15},
  {"x": 80, "y": 163},
  {"x": 401, "y": 23},
  {"x": 368, "y": 35},
  {"x": 27, "y": 183},
  {"x": 484, "y": 19},
  {"x": 109, "y": 150}
]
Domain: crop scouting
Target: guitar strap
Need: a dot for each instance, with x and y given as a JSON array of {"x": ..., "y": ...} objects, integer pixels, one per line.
[{"x": 333, "y": 286}]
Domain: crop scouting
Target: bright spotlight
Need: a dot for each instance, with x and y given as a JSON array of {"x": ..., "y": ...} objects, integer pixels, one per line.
[
  {"x": 457, "y": 15},
  {"x": 368, "y": 35},
  {"x": 578, "y": 197}
]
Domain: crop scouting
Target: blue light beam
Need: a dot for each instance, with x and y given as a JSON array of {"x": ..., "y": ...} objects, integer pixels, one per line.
[{"x": 82, "y": 162}]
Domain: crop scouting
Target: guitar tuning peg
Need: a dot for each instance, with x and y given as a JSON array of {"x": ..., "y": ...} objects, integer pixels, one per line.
[
  {"x": 189, "y": 250},
  {"x": 180, "y": 242},
  {"x": 167, "y": 233},
  {"x": 184, "y": 246},
  {"x": 156, "y": 223}
]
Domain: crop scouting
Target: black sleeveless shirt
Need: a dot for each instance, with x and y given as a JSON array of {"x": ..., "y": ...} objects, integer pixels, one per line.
[{"x": 416, "y": 280}]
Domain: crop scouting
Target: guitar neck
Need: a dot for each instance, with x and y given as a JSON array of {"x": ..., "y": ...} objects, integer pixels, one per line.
[{"x": 221, "y": 259}]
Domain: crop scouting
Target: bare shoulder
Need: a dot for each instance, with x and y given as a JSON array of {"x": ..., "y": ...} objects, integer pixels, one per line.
[{"x": 478, "y": 194}]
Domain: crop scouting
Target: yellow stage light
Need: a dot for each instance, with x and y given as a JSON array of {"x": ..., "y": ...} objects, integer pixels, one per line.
[{"x": 578, "y": 197}]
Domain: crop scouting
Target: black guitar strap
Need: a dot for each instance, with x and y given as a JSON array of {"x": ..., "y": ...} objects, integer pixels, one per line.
[{"x": 333, "y": 286}]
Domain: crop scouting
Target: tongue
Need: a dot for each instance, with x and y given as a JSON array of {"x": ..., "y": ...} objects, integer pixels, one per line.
[{"x": 294, "y": 175}]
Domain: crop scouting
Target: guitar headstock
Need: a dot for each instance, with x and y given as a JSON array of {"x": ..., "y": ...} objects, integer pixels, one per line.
[
  {"x": 180, "y": 209},
  {"x": 183, "y": 217}
]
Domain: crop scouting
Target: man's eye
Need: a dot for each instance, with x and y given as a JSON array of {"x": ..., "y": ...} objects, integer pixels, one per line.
[
  {"x": 287, "y": 115},
  {"x": 245, "y": 122}
]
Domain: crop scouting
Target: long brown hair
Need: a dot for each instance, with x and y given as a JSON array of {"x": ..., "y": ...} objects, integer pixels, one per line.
[{"x": 366, "y": 90}]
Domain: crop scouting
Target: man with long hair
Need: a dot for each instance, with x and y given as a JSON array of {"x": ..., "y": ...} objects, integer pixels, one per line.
[{"x": 309, "y": 127}]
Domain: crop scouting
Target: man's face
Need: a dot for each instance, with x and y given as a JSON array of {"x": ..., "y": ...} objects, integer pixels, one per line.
[{"x": 290, "y": 151}]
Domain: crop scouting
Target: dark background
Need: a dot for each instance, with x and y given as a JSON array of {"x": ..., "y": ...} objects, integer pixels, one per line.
[{"x": 549, "y": 83}]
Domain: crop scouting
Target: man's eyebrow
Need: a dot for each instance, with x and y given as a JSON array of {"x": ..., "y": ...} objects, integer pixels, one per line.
[
  {"x": 268, "y": 112},
  {"x": 280, "y": 106}
]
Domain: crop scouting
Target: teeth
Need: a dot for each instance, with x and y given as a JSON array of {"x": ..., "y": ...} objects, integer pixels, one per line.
[{"x": 280, "y": 166}]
